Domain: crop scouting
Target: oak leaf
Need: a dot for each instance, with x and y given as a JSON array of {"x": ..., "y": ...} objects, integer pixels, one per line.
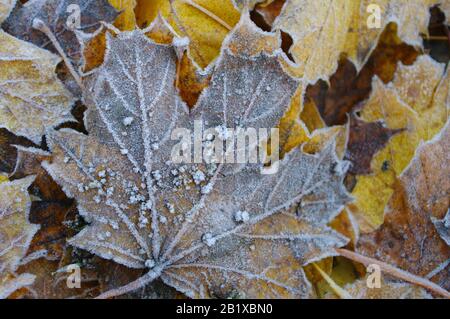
[{"x": 205, "y": 229}]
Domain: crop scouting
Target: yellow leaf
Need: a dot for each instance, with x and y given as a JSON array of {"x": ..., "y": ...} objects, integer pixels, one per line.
[
  {"x": 206, "y": 23},
  {"x": 32, "y": 99},
  {"x": 418, "y": 100},
  {"x": 322, "y": 30},
  {"x": 127, "y": 20},
  {"x": 5, "y": 8},
  {"x": 16, "y": 233},
  {"x": 319, "y": 29}
]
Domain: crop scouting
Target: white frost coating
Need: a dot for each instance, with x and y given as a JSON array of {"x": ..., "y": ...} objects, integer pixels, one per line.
[
  {"x": 14, "y": 210},
  {"x": 128, "y": 120},
  {"x": 241, "y": 216},
  {"x": 136, "y": 80},
  {"x": 209, "y": 239}
]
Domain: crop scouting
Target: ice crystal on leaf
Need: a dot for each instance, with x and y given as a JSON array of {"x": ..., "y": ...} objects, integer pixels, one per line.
[{"x": 179, "y": 220}]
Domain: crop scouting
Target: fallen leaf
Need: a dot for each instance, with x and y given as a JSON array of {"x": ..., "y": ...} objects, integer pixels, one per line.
[
  {"x": 388, "y": 290},
  {"x": 186, "y": 224},
  {"x": 323, "y": 30},
  {"x": 319, "y": 30},
  {"x": 206, "y": 23},
  {"x": 365, "y": 140},
  {"x": 32, "y": 99},
  {"x": 16, "y": 233},
  {"x": 6, "y": 7},
  {"x": 348, "y": 87},
  {"x": 126, "y": 21},
  {"x": 55, "y": 14},
  {"x": 408, "y": 237},
  {"x": 416, "y": 101}
]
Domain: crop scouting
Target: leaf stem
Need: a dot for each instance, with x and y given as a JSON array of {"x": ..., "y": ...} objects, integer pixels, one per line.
[
  {"x": 41, "y": 26},
  {"x": 338, "y": 290},
  {"x": 395, "y": 272},
  {"x": 208, "y": 13},
  {"x": 134, "y": 285}
]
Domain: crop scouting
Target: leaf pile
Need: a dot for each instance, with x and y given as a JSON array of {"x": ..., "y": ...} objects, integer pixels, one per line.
[{"x": 87, "y": 144}]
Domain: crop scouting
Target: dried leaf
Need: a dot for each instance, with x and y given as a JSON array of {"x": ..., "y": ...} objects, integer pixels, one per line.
[
  {"x": 126, "y": 21},
  {"x": 348, "y": 88},
  {"x": 388, "y": 290},
  {"x": 146, "y": 212},
  {"x": 416, "y": 101},
  {"x": 206, "y": 23},
  {"x": 323, "y": 30},
  {"x": 32, "y": 99},
  {"x": 56, "y": 14},
  {"x": 365, "y": 140},
  {"x": 408, "y": 237},
  {"x": 6, "y": 7},
  {"x": 16, "y": 233}
]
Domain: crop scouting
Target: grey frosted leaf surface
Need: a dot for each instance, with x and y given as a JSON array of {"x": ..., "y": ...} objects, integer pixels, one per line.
[
  {"x": 204, "y": 232},
  {"x": 55, "y": 14}
]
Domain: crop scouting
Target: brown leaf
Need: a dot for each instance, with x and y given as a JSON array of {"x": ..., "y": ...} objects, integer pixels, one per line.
[
  {"x": 408, "y": 237},
  {"x": 55, "y": 14},
  {"x": 348, "y": 87},
  {"x": 364, "y": 141}
]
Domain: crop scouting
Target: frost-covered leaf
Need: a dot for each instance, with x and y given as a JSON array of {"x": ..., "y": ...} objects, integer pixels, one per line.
[
  {"x": 417, "y": 102},
  {"x": 348, "y": 87},
  {"x": 323, "y": 30},
  {"x": 16, "y": 233},
  {"x": 32, "y": 99},
  {"x": 205, "y": 229},
  {"x": 388, "y": 290},
  {"x": 6, "y": 7},
  {"x": 56, "y": 14},
  {"x": 206, "y": 23},
  {"x": 408, "y": 238}
]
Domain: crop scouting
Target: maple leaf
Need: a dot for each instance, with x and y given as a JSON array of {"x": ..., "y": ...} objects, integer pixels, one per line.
[
  {"x": 126, "y": 20},
  {"x": 55, "y": 14},
  {"x": 416, "y": 101},
  {"x": 408, "y": 237},
  {"x": 205, "y": 229},
  {"x": 32, "y": 99},
  {"x": 6, "y": 7},
  {"x": 16, "y": 233},
  {"x": 206, "y": 23},
  {"x": 365, "y": 140},
  {"x": 322, "y": 30},
  {"x": 348, "y": 87}
]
